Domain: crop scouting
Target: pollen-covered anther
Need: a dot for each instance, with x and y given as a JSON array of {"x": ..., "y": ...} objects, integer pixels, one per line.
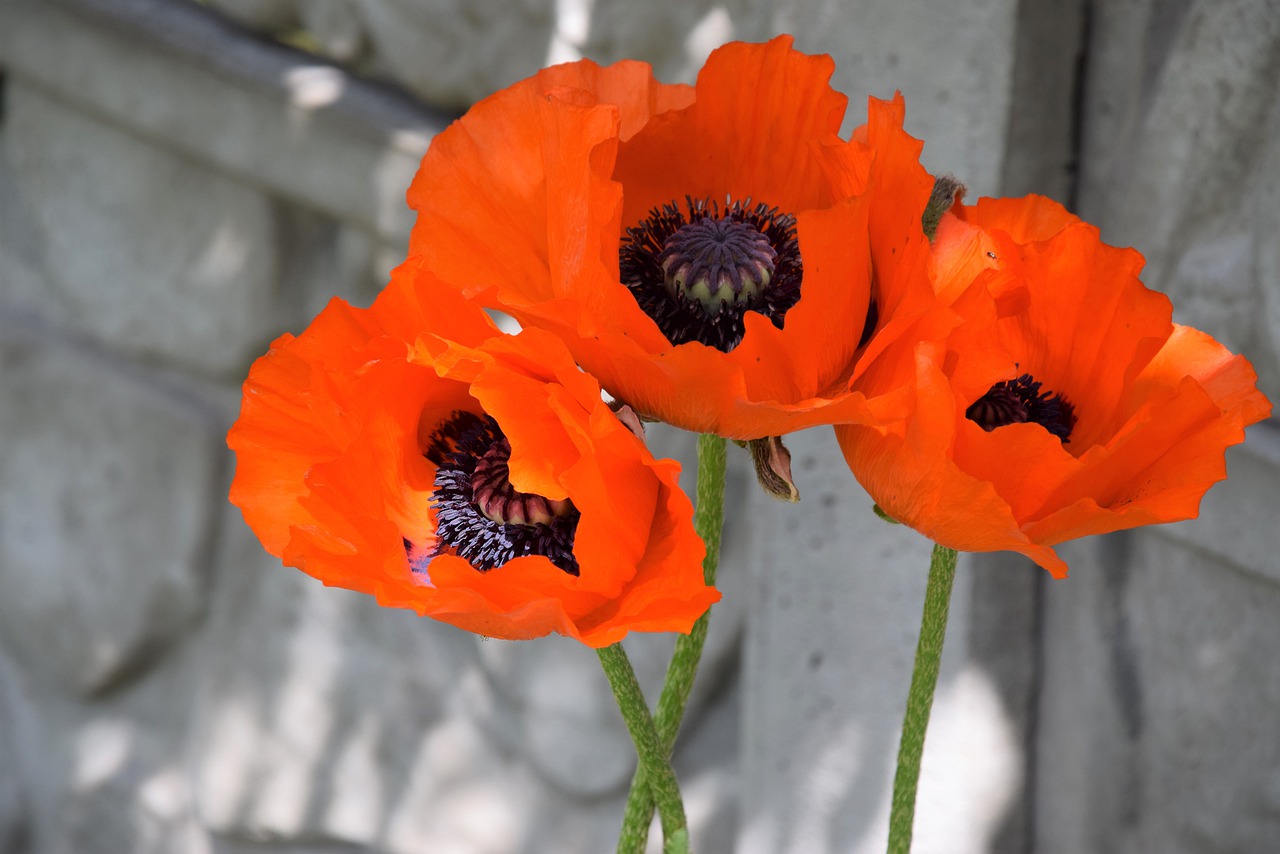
[
  {"x": 500, "y": 502},
  {"x": 996, "y": 408},
  {"x": 1019, "y": 401},
  {"x": 716, "y": 263}
]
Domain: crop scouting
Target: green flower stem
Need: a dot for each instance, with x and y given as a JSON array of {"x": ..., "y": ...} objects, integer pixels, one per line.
[
  {"x": 924, "y": 680},
  {"x": 653, "y": 757},
  {"x": 708, "y": 521}
]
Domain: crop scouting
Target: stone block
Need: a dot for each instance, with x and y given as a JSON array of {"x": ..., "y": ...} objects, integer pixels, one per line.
[
  {"x": 448, "y": 54},
  {"x": 452, "y": 55},
  {"x": 321, "y": 258},
  {"x": 326, "y": 719},
  {"x": 203, "y": 279},
  {"x": 268, "y": 15},
  {"x": 830, "y": 645},
  {"x": 1160, "y": 688},
  {"x": 16, "y": 781},
  {"x": 1040, "y": 155},
  {"x": 952, "y": 62},
  {"x": 105, "y": 515},
  {"x": 151, "y": 254},
  {"x": 337, "y": 28},
  {"x": 675, "y": 42},
  {"x": 107, "y": 774},
  {"x": 266, "y": 113},
  {"x": 1237, "y": 517},
  {"x": 549, "y": 703},
  {"x": 1179, "y": 160},
  {"x": 123, "y": 794},
  {"x": 315, "y": 705}
]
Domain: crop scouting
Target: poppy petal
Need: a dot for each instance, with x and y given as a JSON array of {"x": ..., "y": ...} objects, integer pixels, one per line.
[
  {"x": 1143, "y": 409},
  {"x": 592, "y": 151},
  {"x": 338, "y": 444},
  {"x": 759, "y": 113}
]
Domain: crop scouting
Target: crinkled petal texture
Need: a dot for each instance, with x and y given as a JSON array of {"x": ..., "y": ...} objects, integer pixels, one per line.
[
  {"x": 525, "y": 201},
  {"x": 1156, "y": 404},
  {"x": 332, "y": 477}
]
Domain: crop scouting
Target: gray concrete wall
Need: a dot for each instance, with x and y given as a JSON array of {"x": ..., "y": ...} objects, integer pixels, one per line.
[
  {"x": 175, "y": 190},
  {"x": 1159, "y": 725}
]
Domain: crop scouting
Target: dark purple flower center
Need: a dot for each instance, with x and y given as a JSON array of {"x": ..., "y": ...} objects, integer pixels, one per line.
[
  {"x": 698, "y": 271},
  {"x": 1019, "y": 401},
  {"x": 479, "y": 514}
]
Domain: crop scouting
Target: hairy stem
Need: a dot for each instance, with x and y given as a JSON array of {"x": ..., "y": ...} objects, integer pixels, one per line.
[
  {"x": 924, "y": 681},
  {"x": 708, "y": 520},
  {"x": 659, "y": 778}
]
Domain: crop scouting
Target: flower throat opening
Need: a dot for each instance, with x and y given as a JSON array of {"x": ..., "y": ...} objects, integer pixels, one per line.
[
  {"x": 698, "y": 271},
  {"x": 1019, "y": 401},
  {"x": 479, "y": 514}
]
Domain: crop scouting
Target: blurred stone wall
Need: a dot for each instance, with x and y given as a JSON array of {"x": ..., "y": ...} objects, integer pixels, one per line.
[{"x": 177, "y": 189}]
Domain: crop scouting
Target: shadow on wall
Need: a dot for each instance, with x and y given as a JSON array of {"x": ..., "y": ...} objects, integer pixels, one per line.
[{"x": 830, "y": 644}]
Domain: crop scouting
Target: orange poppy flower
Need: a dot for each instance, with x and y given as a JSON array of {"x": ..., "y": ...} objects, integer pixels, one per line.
[
  {"x": 479, "y": 479},
  {"x": 1066, "y": 404},
  {"x": 707, "y": 252}
]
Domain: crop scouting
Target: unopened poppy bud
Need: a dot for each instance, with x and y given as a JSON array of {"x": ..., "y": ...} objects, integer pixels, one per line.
[
  {"x": 879, "y": 511},
  {"x": 947, "y": 190},
  {"x": 629, "y": 418},
  {"x": 773, "y": 468}
]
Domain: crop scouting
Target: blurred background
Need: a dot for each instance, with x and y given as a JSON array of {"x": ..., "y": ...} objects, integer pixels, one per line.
[{"x": 180, "y": 182}]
